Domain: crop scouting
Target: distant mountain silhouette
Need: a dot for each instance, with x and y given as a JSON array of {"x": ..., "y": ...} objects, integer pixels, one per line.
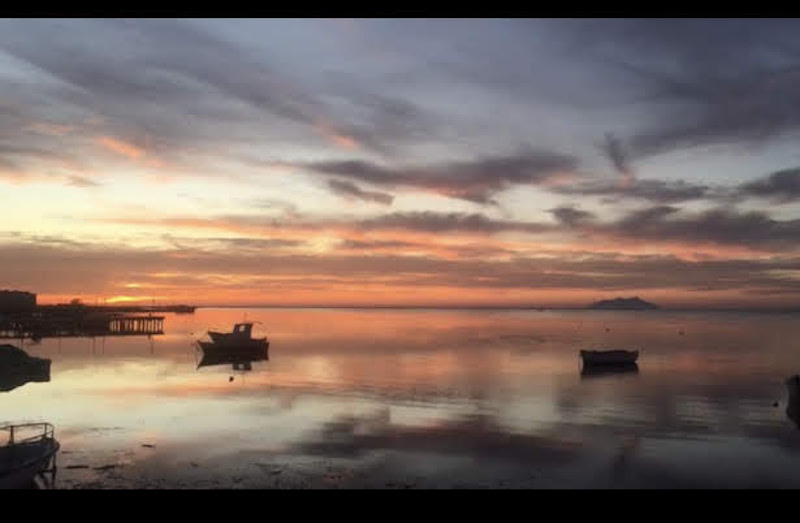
[{"x": 624, "y": 304}]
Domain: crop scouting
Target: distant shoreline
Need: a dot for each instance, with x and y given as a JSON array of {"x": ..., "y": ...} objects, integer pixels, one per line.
[
  {"x": 83, "y": 308},
  {"x": 502, "y": 307},
  {"x": 191, "y": 308}
]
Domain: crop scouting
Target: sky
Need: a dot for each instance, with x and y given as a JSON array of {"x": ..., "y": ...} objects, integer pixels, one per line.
[{"x": 438, "y": 162}]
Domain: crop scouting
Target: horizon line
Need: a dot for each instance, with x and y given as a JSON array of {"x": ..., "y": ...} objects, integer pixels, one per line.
[{"x": 795, "y": 308}]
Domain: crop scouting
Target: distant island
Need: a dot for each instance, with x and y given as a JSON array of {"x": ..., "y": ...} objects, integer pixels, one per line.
[{"x": 624, "y": 304}]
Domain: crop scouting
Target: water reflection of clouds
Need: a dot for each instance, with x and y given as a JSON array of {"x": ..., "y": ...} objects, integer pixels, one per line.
[
  {"x": 412, "y": 382},
  {"x": 653, "y": 411},
  {"x": 476, "y": 435}
]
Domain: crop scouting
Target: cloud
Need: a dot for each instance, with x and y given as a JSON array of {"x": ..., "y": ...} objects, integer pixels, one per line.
[
  {"x": 433, "y": 222},
  {"x": 571, "y": 216},
  {"x": 659, "y": 225},
  {"x": 703, "y": 82},
  {"x": 365, "y": 114},
  {"x": 375, "y": 244},
  {"x": 23, "y": 157},
  {"x": 206, "y": 271},
  {"x": 120, "y": 147},
  {"x": 724, "y": 226},
  {"x": 378, "y": 122},
  {"x": 422, "y": 221},
  {"x": 475, "y": 180},
  {"x": 181, "y": 89},
  {"x": 243, "y": 245},
  {"x": 287, "y": 209},
  {"x": 82, "y": 181},
  {"x": 656, "y": 191},
  {"x": 782, "y": 186},
  {"x": 337, "y": 136},
  {"x": 351, "y": 190},
  {"x": 613, "y": 149},
  {"x": 152, "y": 80},
  {"x": 190, "y": 91}
]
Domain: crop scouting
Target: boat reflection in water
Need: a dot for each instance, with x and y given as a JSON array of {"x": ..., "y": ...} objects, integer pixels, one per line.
[
  {"x": 606, "y": 362},
  {"x": 593, "y": 371},
  {"x": 27, "y": 456},
  {"x": 236, "y": 348},
  {"x": 18, "y": 368},
  {"x": 609, "y": 357}
]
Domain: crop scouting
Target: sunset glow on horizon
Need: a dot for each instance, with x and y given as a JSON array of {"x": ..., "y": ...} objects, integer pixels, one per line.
[{"x": 401, "y": 162}]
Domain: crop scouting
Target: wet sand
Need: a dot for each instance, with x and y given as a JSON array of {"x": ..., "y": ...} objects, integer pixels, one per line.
[{"x": 467, "y": 455}]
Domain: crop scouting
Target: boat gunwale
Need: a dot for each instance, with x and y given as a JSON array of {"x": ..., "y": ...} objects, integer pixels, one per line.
[{"x": 45, "y": 439}]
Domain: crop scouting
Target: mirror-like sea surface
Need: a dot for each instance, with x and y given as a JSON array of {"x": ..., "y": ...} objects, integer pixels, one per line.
[{"x": 386, "y": 398}]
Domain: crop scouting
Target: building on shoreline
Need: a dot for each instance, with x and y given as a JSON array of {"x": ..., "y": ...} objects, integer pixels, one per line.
[{"x": 14, "y": 301}]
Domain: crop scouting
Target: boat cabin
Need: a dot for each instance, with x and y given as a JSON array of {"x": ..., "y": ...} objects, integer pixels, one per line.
[{"x": 243, "y": 329}]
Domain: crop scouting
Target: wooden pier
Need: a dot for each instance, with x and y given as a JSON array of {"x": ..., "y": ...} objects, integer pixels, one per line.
[
  {"x": 131, "y": 325},
  {"x": 78, "y": 323}
]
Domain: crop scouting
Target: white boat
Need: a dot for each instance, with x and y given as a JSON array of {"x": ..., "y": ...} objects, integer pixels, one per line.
[
  {"x": 609, "y": 357},
  {"x": 29, "y": 451}
]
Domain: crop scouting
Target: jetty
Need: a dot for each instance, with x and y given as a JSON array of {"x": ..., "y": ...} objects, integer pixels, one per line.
[
  {"x": 21, "y": 317},
  {"x": 78, "y": 322}
]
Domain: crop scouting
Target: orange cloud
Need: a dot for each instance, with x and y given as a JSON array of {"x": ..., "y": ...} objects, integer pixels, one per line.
[
  {"x": 559, "y": 179},
  {"x": 585, "y": 240},
  {"x": 120, "y": 147},
  {"x": 339, "y": 138}
]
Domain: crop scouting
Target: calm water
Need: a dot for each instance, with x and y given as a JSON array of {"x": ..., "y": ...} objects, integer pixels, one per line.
[{"x": 426, "y": 398}]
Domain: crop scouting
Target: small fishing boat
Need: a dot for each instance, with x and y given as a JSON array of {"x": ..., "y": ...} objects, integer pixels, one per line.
[
  {"x": 30, "y": 451},
  {"x": 237, "y": 347},
  {"x": 609, "y": 357},
  {"x": 241, "y": 336}
]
